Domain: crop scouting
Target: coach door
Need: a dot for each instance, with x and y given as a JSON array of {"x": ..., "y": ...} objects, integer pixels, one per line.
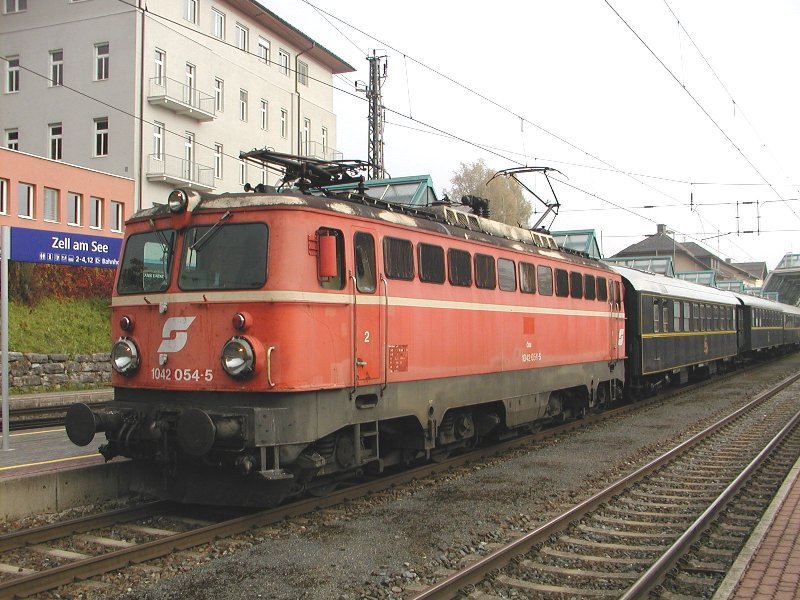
[{"x": 367, "y": 305}]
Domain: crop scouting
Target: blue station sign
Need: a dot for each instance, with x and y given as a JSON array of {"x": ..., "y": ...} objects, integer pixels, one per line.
[{"x": 61, "y": 248}]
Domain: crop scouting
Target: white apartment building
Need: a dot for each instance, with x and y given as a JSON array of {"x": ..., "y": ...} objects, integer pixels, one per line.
[{"x": 167, "y": 92}]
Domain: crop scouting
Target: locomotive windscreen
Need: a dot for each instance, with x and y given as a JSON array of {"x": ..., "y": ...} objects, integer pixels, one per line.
[{"x": 147, "y": 262}]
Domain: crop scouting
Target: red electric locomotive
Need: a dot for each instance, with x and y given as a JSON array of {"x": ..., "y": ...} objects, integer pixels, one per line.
[{"x": 273, "y": 342}]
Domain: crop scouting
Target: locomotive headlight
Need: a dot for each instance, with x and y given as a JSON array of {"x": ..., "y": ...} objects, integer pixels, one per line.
[
  {"x": 178, "y": 201},
  {"x": 125, "y": 356},
  {"x": 238, "y": 357}
]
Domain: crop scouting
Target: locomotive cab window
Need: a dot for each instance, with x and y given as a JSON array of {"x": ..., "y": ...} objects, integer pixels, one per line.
[
  {"x": 588, "y": 287},
  {"x": 562, "y": 283},
  {"x": 576, "y": 285},
  {"x": 431, "y": 263},
  {"x": 224, "y": 257},
  {"x": 506, "y": 275},
  {"x": 527, "y": 278},
  {"x": 364, "y": 247},
  {"x": 398, "y": 258},
  {"x": 459, "y": 268},
  {"x": 602, "y": 289},
  {"x": 147, "y": 262},
  {"x": 485, "y": 272},
  {"x": 544, "y": 277}
]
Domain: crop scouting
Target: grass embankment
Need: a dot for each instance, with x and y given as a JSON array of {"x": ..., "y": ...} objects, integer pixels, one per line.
[{"x": 74, "y": 326}]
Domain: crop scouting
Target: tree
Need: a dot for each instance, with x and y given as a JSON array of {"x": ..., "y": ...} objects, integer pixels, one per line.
[{"x": 506, "y": 202}]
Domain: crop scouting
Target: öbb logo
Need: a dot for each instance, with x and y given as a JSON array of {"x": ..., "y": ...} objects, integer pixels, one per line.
[{"x": 175, "y": 334}]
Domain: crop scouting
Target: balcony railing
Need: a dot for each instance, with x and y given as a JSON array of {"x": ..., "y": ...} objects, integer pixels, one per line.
[
  {"x": 180, "y": 98},
  {"x": 179, "y": 171},
  {"x": 317, "y": 150}
]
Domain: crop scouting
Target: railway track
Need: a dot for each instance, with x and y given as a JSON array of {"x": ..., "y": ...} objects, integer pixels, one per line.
[
  {"x": 91, "y": 546},
  {"x": 626, "y": 540},
  {"x": 38, "y": 417}
]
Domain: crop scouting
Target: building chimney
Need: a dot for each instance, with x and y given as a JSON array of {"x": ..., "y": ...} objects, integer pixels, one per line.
[{"x": 661, "y": 229}]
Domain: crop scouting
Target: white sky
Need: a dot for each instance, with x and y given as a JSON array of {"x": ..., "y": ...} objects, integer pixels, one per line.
[{"x": 575, "y": 69}]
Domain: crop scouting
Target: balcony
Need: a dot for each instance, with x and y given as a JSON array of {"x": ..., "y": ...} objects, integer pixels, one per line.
[
  {"x": 179, "y": 171},
  {"x": 317, "y": 150},
  {"x": 181, "y": 99}
]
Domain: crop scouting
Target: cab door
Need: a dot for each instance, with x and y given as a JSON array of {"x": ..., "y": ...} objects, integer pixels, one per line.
[{"x": 367, "y": 305}]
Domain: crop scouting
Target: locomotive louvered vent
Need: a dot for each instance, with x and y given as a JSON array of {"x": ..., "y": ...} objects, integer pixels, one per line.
[
  {"x": 462, "y": 219},
  {"x": 475, "y": 224}
]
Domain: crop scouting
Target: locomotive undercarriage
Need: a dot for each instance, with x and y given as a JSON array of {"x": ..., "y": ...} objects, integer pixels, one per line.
[{"x": 257, "y": 449}]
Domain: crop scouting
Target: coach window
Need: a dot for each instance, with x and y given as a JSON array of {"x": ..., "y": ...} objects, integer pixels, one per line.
[
  {"x": 676, "y": 315},
  {"x": 459, "y": 268},
  {"x": 485, "y": 272},
  {"x": 696, "y": 315},
  {"x": 336, "y": 282},
  {"x": 709, "y": 317},
  {"x": 602, "y": 289},
  {"x": 398, "y": 258},
  {"x": 364, "y": 245},
  {"x": 687, "y": 316},
  {"x": 544, "y": 278},
  {"x": 665, "y": 315},
  {"x": 656, "y": 312},
  {"x": 431, "y": 263},
  {"x": 562, "y": 283},
  {"x": 527, "y": 278},
  {"x": 576, "y": 284},
  {"x": 588, "y": 287},
  {"x": 506, "y": 275}
]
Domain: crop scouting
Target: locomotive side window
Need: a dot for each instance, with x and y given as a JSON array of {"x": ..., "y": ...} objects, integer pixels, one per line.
[
  {"x": 544, "y": 277},
  {"x": 459, "y": 268},
  {"x": 506, "y": 275},
  {"x": 676, "y": 315},
  {"x": 398, "y": 258},
  {"x": 431, "y": 263},
  {"x": 656, "y": 312},
  {"x": 485, "y": 272},
  {"x": 618, "y": 296},
  {"x": 527, "y": 278},
  {"x": 602, "y": 289},
  {"x": 364, "y": 246},
  {"x": 337, "y": 282},
  {"x": 147, "y": 262},
  {"x": 576, "y": 284},
  {"x": 588, "y": 287},
  {"x": 562, "y": 283},
  {"x": 687, "y": 316},
  {"x": 224, "y": 257}
]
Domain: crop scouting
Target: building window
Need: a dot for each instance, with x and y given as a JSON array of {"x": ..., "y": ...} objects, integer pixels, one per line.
[
  {"x": 3, "y": 196},
  {"x": 101, "y": 137},
  {"x": 117, "y": 216},
  {"x": 190, "y": 83},
  {"x": 25, "y": 195},
  {"x": 264, "y": 113},
  {"x": 219, "y": 95},
  {"x": 160, "y": 67},
  {"x": 190, "y": 11},
  {"x": 13, "y": 6},
  {"x": 158, "y": 140},
  {"x": 95, "y": 213},
  {"x": 264, "y": 175},
  {"x": 12, "y": 139},
  {"x": 188, "y": 156},
  {"x": 56, "y": 68},
  {"x": 218, "y": 161},
  {"x": 218, "y": 24},
  {"x": 74, "y": 202},
  {"x": 55, "y": 140},
  {"x": 242, "y": 172},
  {"x": 242, "y": 37},
  {"x": 302, "y": 72},
  {"x": 263, "y": 50},
  {"x": 306, "y": 135},
  {"x": 243, "y": 105},
  {"x": 50, "y": 212},
  {"x": 284, "y": 123},
  {"x": 324, "y": 141},
  {"x": 283, "y": 61},
  {"x": 12, "y": 74},
  {"x": 101, "y": 55}
]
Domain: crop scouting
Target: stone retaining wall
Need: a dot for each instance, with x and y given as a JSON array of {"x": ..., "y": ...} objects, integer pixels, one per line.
[{"x": 32, "y": 370}]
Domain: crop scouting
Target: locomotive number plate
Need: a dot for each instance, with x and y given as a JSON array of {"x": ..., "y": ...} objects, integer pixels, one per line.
[{"x": 158, "y": 374}]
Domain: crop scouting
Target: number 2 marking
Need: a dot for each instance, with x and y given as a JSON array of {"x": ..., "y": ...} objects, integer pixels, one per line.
[{"x": 366, "y": 337}]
